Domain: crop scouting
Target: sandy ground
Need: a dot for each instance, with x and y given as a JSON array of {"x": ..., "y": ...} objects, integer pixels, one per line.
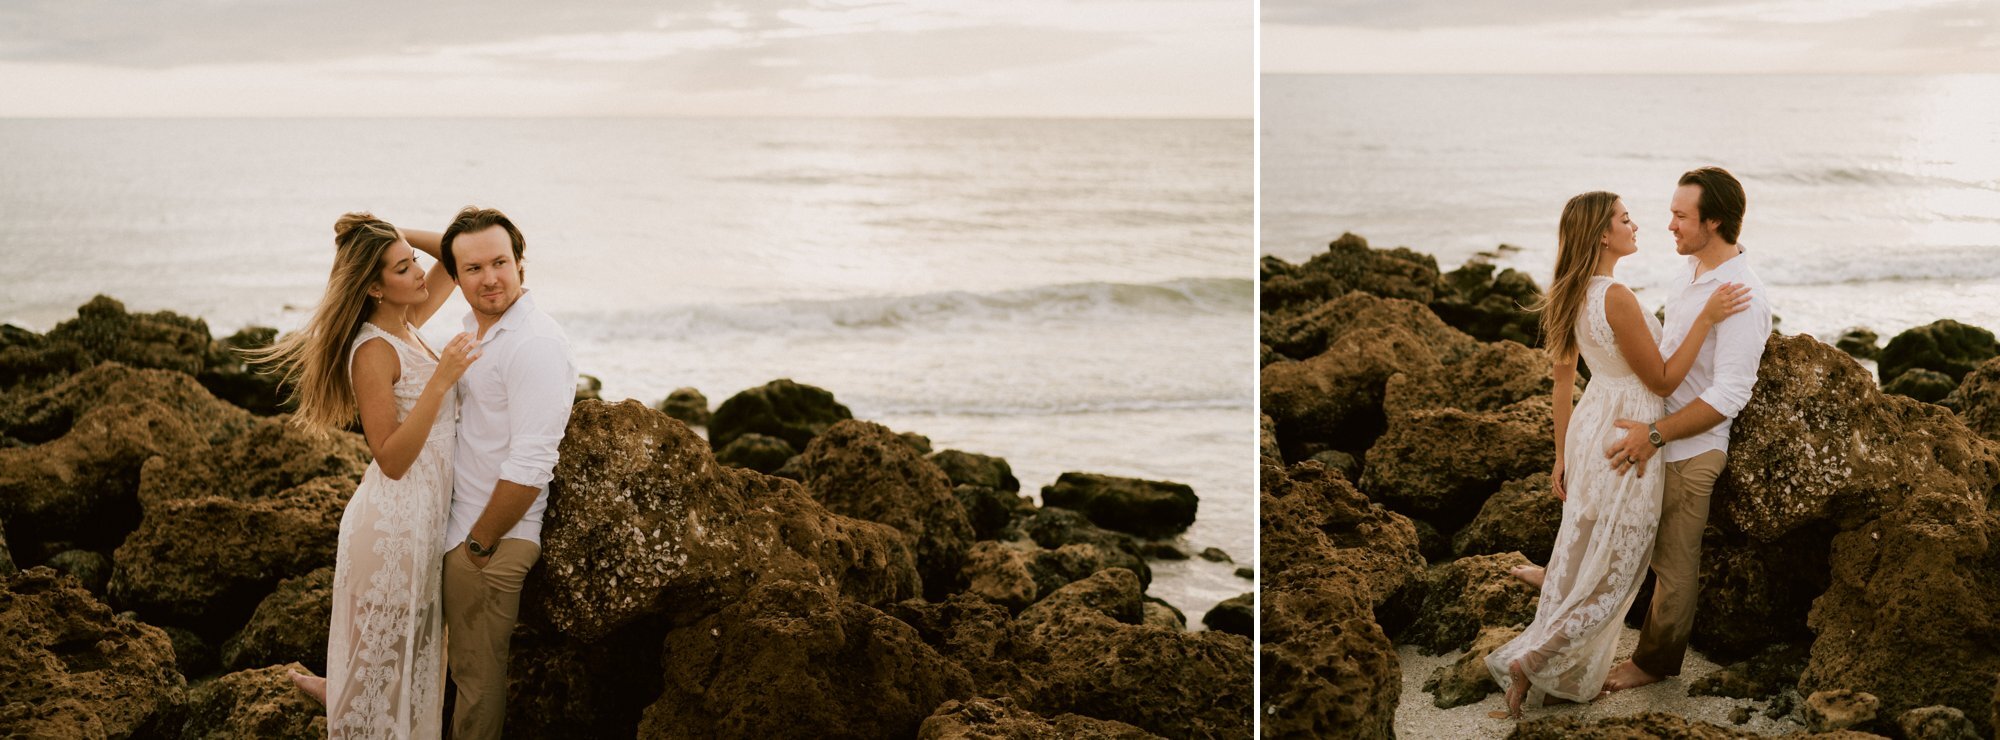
[{"x": 1418, "y": 717}]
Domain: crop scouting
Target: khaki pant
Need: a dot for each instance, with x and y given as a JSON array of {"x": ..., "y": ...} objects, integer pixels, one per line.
[
  {"x": 480, "y": 608},
  {"x": 1677, "y": 563}
]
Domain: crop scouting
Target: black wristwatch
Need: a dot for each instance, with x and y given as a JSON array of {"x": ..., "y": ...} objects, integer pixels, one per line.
[
  {"x": 1653, "y": 436},
  {"x": 477, "y": 549}
]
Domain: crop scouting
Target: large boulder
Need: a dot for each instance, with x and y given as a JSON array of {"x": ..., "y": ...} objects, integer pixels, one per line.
[
  {"x": 69, "y": 667},
  {"x": 1490, "y": 307},
  {"x": 1311, "y": 334},
  {"x": 688, "y": 405},
  {"x": 1097, "y": 659},
  {"x": 863, "y": 470},
  {"x": 1143, "y": 507},
  {"x": 1976, "y": 400},
  {"x": 260, "y": 703},
  {"x": 1017, "y": 574},
  {"x": 1442, "y": 464},
  {"x": 1468, "y": 679},
  {"x": 1002, "y": 718},
  {"x": 1236, "y": 614},
  {"x": 289, "y": 626},
  {"x": 977, "y": 634},
  {"x": 790, "y": 411},
  {"x": 103, "y": 331},
  {"x": 1922, "y": 384},
  {"x": 1905, "y": 492},
  {"x": 1523, "y": 517},
  {"x": 1944, "y": 346},
  {"x": 1489, "y": 377},
  {"x": 762, "y": 453},
  {"x": 228, "y": 375},
  {"x": 1469, "y": 595},
  {"x": 971, "y": 468},
  {"x": 1334, "y": 399},
  {"x": 1318, "y": 532},
  {"x": 1347, "y": 264},
  {"x": 789, "y": 655},
  {"x": 642, "y": 520}
]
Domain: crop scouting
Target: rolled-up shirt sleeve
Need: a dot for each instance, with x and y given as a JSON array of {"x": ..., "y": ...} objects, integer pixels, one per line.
[
  {"x": 1739, "y": 349},
  {"x": 541, "y": 386}
]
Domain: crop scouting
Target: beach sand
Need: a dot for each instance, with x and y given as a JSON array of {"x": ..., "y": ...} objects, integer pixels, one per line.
[{"x": 1418, "y": 717}]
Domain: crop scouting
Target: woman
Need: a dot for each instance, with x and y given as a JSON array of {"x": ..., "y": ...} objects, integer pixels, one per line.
[
  {"x": 1606, "y": 540},
  {"x": 360, "y": 355}
]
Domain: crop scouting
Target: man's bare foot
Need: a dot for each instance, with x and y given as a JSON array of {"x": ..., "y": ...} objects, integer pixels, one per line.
[
  {"x": 1627, "y": 675},
  {"x": 1516, "y": 688},
  {"x": 314, "y": 686},
  {"x": 1529, "y": 574}
]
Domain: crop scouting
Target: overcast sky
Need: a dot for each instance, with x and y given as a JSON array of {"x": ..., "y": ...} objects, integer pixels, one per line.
[
  {"x": 1631, "y": 36},
  {"x": 1146, "y": 58}
]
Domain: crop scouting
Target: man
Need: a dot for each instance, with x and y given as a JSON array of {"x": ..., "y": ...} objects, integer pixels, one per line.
[
  {"x": 1694, "y": 435},
  {"x": 513, "y": 407}
]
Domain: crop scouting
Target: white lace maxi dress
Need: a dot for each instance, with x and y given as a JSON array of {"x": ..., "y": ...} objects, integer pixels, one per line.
[
  {"x": 1608, "y": 525},
  {"x": 384, "y": 668}
]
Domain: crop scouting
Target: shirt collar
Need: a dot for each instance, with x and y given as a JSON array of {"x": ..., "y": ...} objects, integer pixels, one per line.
[
  {"x": 1729, "y": 268},
  {"x": 515, "y": 314}
]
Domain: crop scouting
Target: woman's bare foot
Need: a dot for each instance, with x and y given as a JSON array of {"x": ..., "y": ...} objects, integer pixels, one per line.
[
  {"x": 1529, "y": 574},
  {"x": 314, "y": 686},
  {"x": 1516, "y": 688}
]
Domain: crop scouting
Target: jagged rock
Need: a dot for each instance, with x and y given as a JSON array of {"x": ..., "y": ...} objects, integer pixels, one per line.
[
  {"x": 1490, "y": 307},
  {"x": 1267, "y": 442},
  {"x": 289, "y": 626},
  {"x": 991, "y": 511},
  {"x": 1944, "y": 346},
  {"x": 979, "y": 635},
  {"x": 1347, "y": 264},
  {"x": 1523, "y": 517},
  {"x": 230, "y": 378},
  {"x": 1467, "y": 680},
  {"x": 1163, "y": 551},
  {"x": 1334, "y": 399},
  {"x": 1860, "y": 342},
  {"x": 588, "y": 388},
  {"x": 1162, "y": 614},
  {"x": 205, "y": 563},
  {"x": 1976, "y": 400},
  {"x": 1488, "y": 378},
  {"x": 1318, "y": 331},
  {"x": 790, "y": 655},
  {"x": 1216, "y": 555},
  {"x": 1017, "y": 574},
  {"x": 260, "y": 703},
  {"x": 1233, "y": 615},
  {"x": 1101, "y": 662},
  {"x": 1266, "y": 355},
  {"x": 1840, "y": 709},
  {"x": 91, "y": 569},
  {"x": 1905, "y": 491},
  {"x": 1772, "y": 671},
  {"x": 1053, "y": 527},
  {"x": 69, "y": 668},
  {"x": 688, "y": 405},
  {"x": 1442, "y": 464},
  {"x": 968, "y": 468},
  {"x": 918, "y": 442},
  {"x": 794, "y": 412},
  {"x": 1001, "y": 718},
  {"x": 1937, "y": 723},
  {"x": 103, "y": 331},
  {"x": 1648, "y": 725},
  {"x": 756, "y": 452},
  {"x": 1146, "y": 508},
  {"x": 643, "y": 521},
  {"x": 1468, "y": 595},
  {"x": 1314, "y": 520},
  {"x": 1754, "y": 594},
  {"x": 1327, "y": 669},
  {"x": 858, "y": 468},
  {"x": 1924, "y": 385}
]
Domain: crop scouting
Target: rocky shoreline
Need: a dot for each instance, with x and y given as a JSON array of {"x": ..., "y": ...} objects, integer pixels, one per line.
[
  {"x": 166, "y": 549},
  {"x": 1851, "y": 569}
]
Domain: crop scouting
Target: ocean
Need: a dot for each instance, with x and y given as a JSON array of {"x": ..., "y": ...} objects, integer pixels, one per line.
[
  {"x": 1066, "y": 294},
  {"x": 1873, "y": 201}
]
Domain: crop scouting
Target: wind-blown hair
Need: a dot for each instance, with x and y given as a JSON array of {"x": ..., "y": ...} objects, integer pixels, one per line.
[
  {"x": 1585, "y": 219},
  {"x": 314, "y": 359}
]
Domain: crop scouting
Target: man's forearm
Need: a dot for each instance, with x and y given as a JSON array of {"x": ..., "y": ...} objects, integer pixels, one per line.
[
  {"x": 1692, "y": 419},
  {"x": 510, "y": 501}
]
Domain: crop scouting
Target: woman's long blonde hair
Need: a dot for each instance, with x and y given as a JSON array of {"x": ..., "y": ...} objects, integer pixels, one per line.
[
  {"x": 313, "y": 360},
  {"x": 1585, "y": 219}
]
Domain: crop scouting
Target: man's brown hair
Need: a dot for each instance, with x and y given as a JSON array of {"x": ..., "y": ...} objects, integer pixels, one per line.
[
  {"x": 1721, "y": 200},
  {"x": 472, "y": 220}
]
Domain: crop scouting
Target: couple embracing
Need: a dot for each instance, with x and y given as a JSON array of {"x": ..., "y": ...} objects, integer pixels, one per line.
[
  {"x": 1637, "y": 457},
  {"x": 437, "y": 540}
]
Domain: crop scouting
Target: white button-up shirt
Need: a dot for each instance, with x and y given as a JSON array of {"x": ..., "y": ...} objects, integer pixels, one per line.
[
  {"x": 1727, "y": 367},
  {"x": 514, "y": 404}
]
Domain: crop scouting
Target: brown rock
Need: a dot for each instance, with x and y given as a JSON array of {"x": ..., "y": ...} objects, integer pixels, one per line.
[
  {"x": 1327, "y": 669},
  {"x": 1235, "y": 615},
  {"x": 859, "y": 469},
  {"x": 69, "y": 668},
  {"x": 1937, "y": 723},
  {"x": 1054, "y": 527},
  {"x": 1977, "y": 400},
  {"x": 969, "y": 468},
  {"x": 1334, "y": 399},
  {"x": 560, "y": 686},
  {"x": 82, "y": 487},
  {"x": 1523, "y": 517},
  {"x": 1766, "y": 675},
  {"x": 102, "y": 331},
  {"x": 290, "y": 626},
  {"x": 1442, "y": 464},
  {"x": 260, "y": 703},
  {"x": 1467, "y": 681},
  {"x": 756, "y": 452},
  {"x": 1488, "y": 306},
  {"x": 1313, "y": 333},
  {"x": 1488, "y": 377},
  {"x": 1267, "y": 441},
  {"x": 1469, "y": 595},
  {"x": 996, "y": 719},
  {"x": 230, "y": 378},
  {"x": 978, "y": 635},
  {"x": 1755, "y": 594},
  {"x": 1347, "y": 264},
  {"x": 1147, "y": 508},
  {"x": 790, "y": 655},
  {"x": 1318, "y": 532},
  {"x": 1648, "y": 725},
  {"x": 1017, "y": 574},
  {"x": 688, "y": 405},
  {"x": 1101, "y": 662},
  {"x": 643, "y": 521},
  {"x": 1840, "y": 709},
  {"x": 794, "y": 412}
]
